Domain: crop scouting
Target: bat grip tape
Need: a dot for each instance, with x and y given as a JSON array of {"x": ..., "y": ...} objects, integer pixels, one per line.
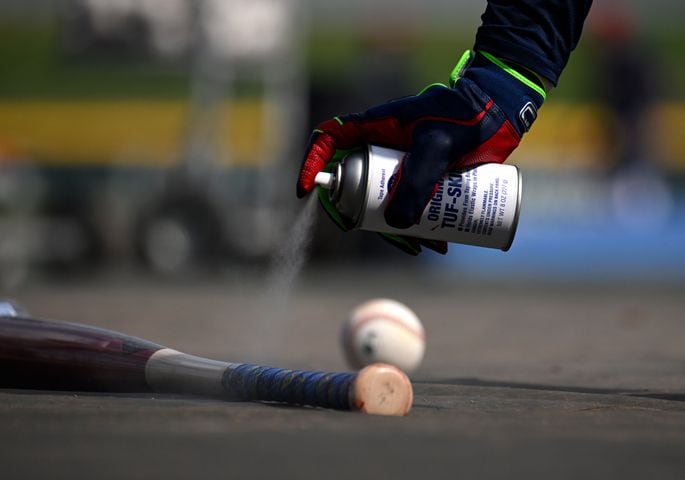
[
  {"x": 168, "y": 370},
  {"x": 269, "y": 384}
]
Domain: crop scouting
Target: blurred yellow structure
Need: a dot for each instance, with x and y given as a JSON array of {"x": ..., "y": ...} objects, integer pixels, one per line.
[
  {"x": 149, "y": 132},
  {"x": 126, "y": 132},
  {"x": 571, "y": 135}
]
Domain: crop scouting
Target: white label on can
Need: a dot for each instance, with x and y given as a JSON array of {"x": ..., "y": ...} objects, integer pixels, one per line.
[{"x": 475, "y": 207}]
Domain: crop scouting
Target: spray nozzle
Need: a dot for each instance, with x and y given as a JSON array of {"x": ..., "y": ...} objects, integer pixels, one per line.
[{"x": 325, "y": 180}]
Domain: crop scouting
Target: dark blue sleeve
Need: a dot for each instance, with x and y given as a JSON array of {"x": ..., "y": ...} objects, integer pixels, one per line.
[{"x": 537, "y": 34}]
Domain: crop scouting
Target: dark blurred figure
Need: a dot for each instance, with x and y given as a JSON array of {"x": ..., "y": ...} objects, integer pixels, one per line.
[{"x": 628, "y": 82}]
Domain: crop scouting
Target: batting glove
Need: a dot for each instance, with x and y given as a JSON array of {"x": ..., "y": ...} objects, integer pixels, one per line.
[{"x": 480, "y": 118}]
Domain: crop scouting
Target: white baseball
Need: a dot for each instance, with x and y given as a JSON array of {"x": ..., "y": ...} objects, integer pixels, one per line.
[{"x": 385, "y": 331}]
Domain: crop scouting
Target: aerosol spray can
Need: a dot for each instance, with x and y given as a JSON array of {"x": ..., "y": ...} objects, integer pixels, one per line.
[{"x": 478, "y": 207}]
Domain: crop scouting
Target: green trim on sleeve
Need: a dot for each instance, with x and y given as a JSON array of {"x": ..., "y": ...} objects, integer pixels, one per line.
[
  {"x": 511, "y": 71},
  {"x": 463, "y": 62}
]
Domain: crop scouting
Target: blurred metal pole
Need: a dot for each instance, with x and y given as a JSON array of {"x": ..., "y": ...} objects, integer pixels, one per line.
[
  {"x": 287, "y": 97},
  {"x": 210, "y": 79},
  {"x": 260, "y": 41}
]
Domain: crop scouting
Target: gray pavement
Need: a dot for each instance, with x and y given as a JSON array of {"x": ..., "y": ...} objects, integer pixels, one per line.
[{"x": 540, "y": 379}]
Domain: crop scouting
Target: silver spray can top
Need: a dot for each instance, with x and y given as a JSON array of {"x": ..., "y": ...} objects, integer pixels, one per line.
[{"x": 347, "y": 184}]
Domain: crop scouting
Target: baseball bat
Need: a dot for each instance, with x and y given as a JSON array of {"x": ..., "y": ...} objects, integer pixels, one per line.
[{"x": 47, "y": 354}]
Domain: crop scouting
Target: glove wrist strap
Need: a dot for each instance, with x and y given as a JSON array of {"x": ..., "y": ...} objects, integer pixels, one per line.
[
  {"x": 523, "y": 75},
  {"x": 517, "y": 96}
]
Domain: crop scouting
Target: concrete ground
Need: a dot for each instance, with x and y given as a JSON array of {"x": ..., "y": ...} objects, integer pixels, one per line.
[{"x": 542, "y": 380}]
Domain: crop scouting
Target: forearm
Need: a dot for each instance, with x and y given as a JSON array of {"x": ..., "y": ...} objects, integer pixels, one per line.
[{"x": 536, "y": 34}]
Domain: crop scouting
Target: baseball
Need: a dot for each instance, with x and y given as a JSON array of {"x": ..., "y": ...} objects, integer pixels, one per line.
[{"x": 385, "y": 331}]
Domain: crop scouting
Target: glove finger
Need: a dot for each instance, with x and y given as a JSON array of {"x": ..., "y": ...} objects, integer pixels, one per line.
[
  {"x": 319, "y": 152},
  {"x": 412, "y": 245},
  {"x": 345, "y": 133},
  {"x": 434, "y": 148},
  {"x": 409, "y": 245},
  {"x": 328, "y": 137},
  {"x": 436, "y": 245}
]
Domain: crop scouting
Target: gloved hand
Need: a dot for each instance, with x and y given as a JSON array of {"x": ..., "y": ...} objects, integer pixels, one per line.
[{"x": 479, "y": 119}]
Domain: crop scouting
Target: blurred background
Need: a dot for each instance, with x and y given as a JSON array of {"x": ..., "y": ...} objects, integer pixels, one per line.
[
  {"x": 164, "y": 136},
  {"x": 148, "y": 156}
]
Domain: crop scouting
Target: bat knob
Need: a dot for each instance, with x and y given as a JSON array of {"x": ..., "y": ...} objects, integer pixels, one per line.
[{"x": 382, "y": 389}]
